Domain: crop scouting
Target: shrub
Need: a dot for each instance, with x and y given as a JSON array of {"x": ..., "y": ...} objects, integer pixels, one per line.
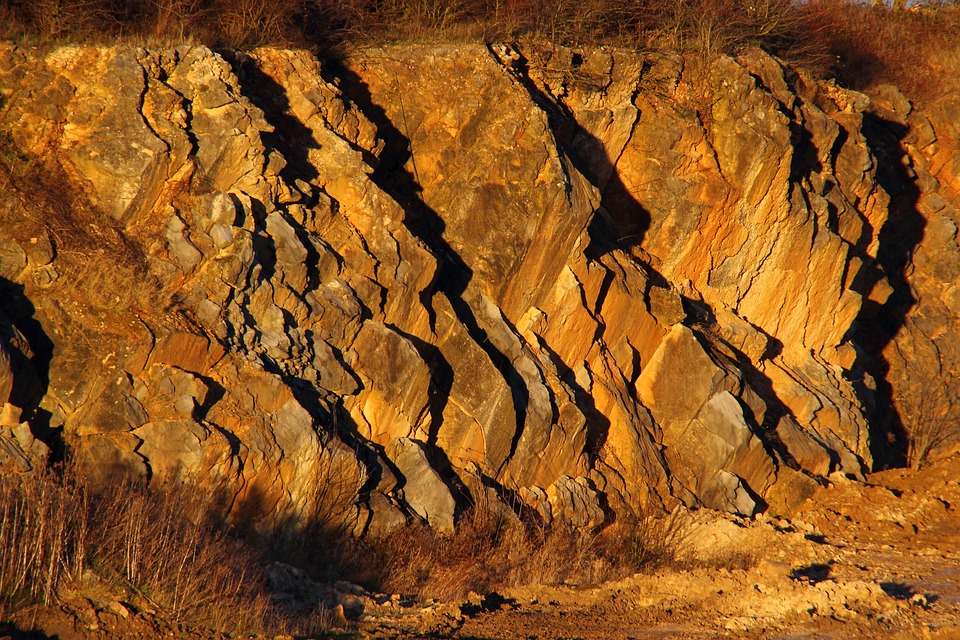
[
  {"x": 55, "y": 19},
  {"x": 202, "y": 575},
  {"x": 866, "y": 43},
  {"x": 43, "y": 527},
  {"x": 178, "y": 20},
  {"x": 720, "y": 26},
  {"x": 491, "y": 550},
  {"x": 931, "y": 420},
  {"x": 245, "y": 24},
  {"x": 917, "y": 50},
  {"x": 53, "y": 528}
]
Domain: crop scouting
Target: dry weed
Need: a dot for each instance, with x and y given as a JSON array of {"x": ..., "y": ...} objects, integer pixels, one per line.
[
  {"x": 53, "y": 527},
  {"x": 930, "y": 417},
  {"x": 179, "y": 20},
  {"x": 94, "y": 257},
  {"x": 863, "y": 42},
  {"x": 43, "y": 534},
  {"x": 491, "y": 550},
  {"x": 202, "y": 574},
  {"x": 917, "y": 50},
  {"x": 55, "y": 19}
]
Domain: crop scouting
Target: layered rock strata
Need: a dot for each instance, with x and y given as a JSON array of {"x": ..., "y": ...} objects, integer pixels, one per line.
[{"x": 584, "y": 283}]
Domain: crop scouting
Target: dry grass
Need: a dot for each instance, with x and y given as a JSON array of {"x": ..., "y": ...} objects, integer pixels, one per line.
[
  {"x": 201, "y": 575},
  {"x": 43, "y": 532},
  {"x": 490, "y": 550},
  {"x": 94, "y": 257},
  {"x": 54, "y": 529},
  {"x": 916, "y": 50},
  {"x": 709, "y": 27}
]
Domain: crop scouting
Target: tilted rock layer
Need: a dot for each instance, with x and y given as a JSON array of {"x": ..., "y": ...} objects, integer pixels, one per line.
[{"x": 588, "y": 282}]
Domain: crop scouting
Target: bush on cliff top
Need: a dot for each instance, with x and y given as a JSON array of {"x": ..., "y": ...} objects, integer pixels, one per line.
[
  {"x": 917, "y": 50},
  {"x": 863, "y": 43}
]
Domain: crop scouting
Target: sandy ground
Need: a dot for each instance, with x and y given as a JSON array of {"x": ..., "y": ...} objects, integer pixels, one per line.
[{"x": 859, "y": 560}]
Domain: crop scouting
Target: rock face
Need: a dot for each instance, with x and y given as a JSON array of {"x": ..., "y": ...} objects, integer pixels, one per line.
[
  {"x": 593, "y": 281},
  {"x": 20, "y": 392}
]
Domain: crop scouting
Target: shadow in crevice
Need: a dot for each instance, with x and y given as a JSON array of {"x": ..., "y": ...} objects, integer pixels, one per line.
[
  {"x": 215, "y": 393},
  {"x": 805, "y": 159},
  {"x": 289, "y": 136},
  {"x": 598, "y": 425},
  {"x": 29, "y": 351},
  {"x": 527, "y": 514},
  {"x": 441, "y": 381},
  {"x": 294, "y": 141},
  {"x": 620, "y": 218},
  {"x": 777, "y": 411},
  {"x": 878, "y": 324},
  {"x": 453, "y": 275},
  {"x": 620, "y": 222},
  {"x": 774, "y": 409}
]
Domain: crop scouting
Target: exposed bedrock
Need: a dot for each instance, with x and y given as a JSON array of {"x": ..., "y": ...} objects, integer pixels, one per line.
[{"x": 588, "y": 282}]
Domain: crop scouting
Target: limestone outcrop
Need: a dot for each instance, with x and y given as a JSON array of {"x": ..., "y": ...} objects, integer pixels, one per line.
[{"x": 587, "y": 282}]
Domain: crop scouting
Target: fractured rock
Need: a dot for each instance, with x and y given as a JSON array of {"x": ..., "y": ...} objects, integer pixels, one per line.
[
  {"x": 489, "y": 270},
  {"x": 423, "y": 488},
  {"x": 574, "y": 502}
]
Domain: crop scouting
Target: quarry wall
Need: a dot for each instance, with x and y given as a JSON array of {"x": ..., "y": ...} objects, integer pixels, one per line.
[{"x": 577, "y": 283}]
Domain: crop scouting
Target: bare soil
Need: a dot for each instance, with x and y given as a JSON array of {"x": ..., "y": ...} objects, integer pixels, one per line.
[{"x": 858, "y": 560}]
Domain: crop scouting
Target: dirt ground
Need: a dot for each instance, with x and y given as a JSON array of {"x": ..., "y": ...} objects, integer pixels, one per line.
[{"x": 858, "y": 560}]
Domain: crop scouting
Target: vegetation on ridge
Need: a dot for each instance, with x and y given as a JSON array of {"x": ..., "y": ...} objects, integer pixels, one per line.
[{"x": 861, "y": 43}]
